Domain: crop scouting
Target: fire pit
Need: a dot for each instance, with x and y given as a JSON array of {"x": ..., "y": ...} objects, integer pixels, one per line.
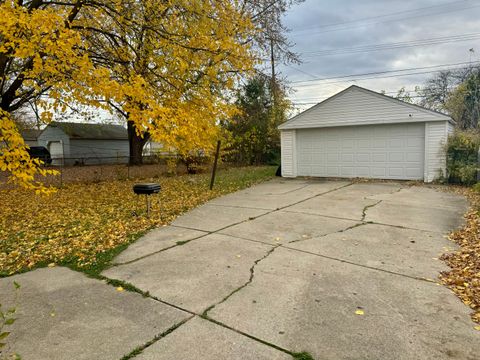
[{"x": 147, "y": 189}]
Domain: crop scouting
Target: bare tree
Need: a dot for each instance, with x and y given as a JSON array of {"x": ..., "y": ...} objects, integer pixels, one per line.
[
  {"x": 272, "y": 41},
  {"x": 437, "y": 89}
]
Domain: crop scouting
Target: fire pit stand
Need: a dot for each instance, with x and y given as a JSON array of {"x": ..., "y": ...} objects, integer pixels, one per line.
[{"x": 147, "y": 189}]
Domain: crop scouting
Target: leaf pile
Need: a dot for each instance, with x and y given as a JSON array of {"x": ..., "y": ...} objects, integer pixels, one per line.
[
  {"x": 79, "y": 222},
  {"x": 464, "y": 278}
]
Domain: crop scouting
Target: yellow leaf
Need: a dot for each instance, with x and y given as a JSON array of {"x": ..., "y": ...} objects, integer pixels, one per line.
[
  {"x": 359, "y": 312},
  {"x": 119, "y": 288}
]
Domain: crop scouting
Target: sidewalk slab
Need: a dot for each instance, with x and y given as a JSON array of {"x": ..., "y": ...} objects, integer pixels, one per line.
[
  {"x": 409, "y": 252},
  {"x": 200, "y": 339},
  {"x": 195, "y": 275},
  {"x": 426, "y": 217},
  {"x": 62, "y": 314},
  {"x": 347, "y": 207},
  {"x": 213, "y": 218},
  {"x": 282, "y": 227},
  {"x": 426, "y": 197},
  {"x": 366, "y": 189},
  {"x": 156, "y": 240},
  {"x": 304, "y": 302},
  {"x": 278, "y": 194}
]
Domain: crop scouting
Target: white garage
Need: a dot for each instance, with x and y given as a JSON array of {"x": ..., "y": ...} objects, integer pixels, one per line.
[{"x": 361, "y": 133}]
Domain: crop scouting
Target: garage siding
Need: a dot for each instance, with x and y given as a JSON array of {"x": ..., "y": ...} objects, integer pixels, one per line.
[
  {"x": 361, "y": 133},
  {"x": 288, "y": 153},
  {"x": 357, "y": 106},
  {"x": 374, "y": 151},
  {"x": 436, "y": 134}
]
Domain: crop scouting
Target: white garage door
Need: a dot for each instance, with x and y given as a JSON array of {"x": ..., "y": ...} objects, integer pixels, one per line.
[
  {"x": 374, "y": 151},
  {"x": 56, "y": 152}
]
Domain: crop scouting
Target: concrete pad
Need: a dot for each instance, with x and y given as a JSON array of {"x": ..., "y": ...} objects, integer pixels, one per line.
[
  {"x": 62, "y": 314},
  {"x": 274, "y": 195},
  {"x": 346, "y": 208},
  {"x": 200, "y": 339},
  {"x": 278, "y": 186},
  {"x": 403, "y": 318},
  {"x": 361, "y": 190},
  {"x": 213, "y": 218},
  {"x": 404, "y": 251},
  {"x": 426, "y": 197},
  {"x": 282, "y": 227},
  {"x": 195, "y": 275},
  {"x": 441, "y": 220},
  {"x": 156, "y": 240}
]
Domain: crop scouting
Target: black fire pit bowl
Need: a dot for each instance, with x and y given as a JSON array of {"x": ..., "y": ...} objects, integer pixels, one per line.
[{"x": 146, "y": 188}]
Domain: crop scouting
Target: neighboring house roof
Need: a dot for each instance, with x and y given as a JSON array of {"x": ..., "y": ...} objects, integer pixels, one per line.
[
  {"x": 359, "y": 106},
  {"x": 30, "y": 134},
  {"x": 92, "y": 131}
]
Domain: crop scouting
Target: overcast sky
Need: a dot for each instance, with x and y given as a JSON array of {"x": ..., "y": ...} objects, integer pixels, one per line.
[{"x": 446, "y": 30}]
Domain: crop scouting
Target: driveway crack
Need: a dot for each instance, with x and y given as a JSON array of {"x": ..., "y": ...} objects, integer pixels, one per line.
[
  {"x": 335, "y": 232},
  {"x": 364, "y": 212},
  {"x": 249, "y": 281},
  {"x": 139, "y": 349}
]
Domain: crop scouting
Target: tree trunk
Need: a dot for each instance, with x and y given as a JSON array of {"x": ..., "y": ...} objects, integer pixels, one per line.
[{"x": 136, "y": 143}]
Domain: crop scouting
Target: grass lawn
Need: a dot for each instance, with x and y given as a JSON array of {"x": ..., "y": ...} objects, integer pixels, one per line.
[{"x": 85, "y": 225}]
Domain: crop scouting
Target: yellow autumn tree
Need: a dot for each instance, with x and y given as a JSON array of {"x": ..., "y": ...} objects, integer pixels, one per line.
[
  {"x": 177, "y": 62},
  {"x": 166, "y": 66}
]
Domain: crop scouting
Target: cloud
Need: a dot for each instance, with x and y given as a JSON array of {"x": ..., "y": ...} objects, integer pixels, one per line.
[{"x": 333, "y": 24}]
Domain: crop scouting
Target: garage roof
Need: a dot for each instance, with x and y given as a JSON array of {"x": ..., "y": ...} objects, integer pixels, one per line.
[
  {"x": 359, "y": 106},
  {"x": 92, "y": 131}
]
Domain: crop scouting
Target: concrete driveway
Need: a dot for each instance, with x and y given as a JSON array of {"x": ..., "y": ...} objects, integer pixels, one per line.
[{"x": 337, "y": 269}]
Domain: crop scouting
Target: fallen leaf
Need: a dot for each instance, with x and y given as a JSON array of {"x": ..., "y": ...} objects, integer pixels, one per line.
[
  {"x": 119, "y": 288},
  {"x": 464, "y": 277},
  {"x": 359, "y": 312},
  {"x": 88, "y": 219}
]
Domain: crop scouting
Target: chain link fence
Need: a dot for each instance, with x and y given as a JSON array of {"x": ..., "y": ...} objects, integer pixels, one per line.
[{"x": 91, "y": 170}]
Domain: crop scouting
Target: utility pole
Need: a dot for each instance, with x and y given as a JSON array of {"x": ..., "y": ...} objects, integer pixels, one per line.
[{"x": 273, "y": 81}]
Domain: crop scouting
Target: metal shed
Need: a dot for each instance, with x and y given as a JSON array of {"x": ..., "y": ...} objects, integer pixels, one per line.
[{"x": 362, "y": 133}]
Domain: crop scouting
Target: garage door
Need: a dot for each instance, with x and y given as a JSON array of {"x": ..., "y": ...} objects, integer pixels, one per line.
[
  {"x": 374, "y": 151},
  {"x": 56, "y": 152}
]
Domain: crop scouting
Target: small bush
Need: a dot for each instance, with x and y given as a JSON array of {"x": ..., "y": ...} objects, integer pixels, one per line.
[
  {"x": 462, "y": 157},
  {"x": 476, "y": 187},
  {"x": 195, "y": 162}
]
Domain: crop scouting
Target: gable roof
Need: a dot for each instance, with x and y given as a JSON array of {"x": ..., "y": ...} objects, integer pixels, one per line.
[
  {"x": 359, "y": 106},
  {"x": 30, "y": 134},
  {"x": 91, "y": 131}
]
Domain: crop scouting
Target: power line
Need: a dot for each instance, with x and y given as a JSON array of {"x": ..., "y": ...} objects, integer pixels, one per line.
[
  {"x": 386, "y": 15},
  {"x": 454, "y": 65},
  {"x": 381, "y": 16},
  {"x": 381, "y": 77},
  {"x": 395, "y": 45}
]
